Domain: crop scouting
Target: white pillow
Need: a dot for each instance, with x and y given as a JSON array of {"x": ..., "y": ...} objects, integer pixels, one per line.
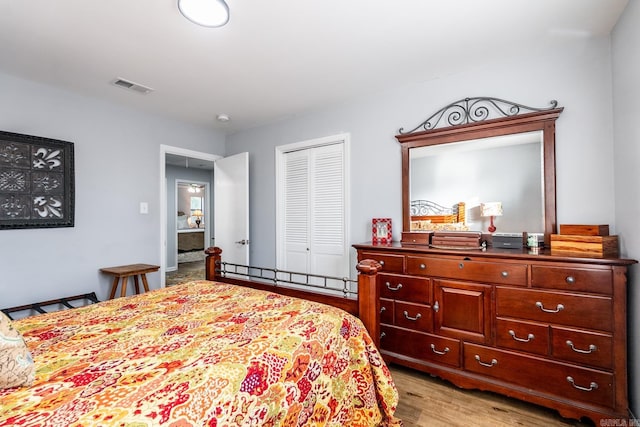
[
  {"x": 182, "y": 222},
  {"x": 16, "y": 365}
]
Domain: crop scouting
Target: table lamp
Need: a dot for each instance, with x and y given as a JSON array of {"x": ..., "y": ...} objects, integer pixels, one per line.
[
  {"x": 491, "y": 209},
  {"x": 198, "y": 215}
]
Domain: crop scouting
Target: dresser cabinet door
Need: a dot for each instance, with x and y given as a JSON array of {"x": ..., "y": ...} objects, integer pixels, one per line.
[{"x": 462, "y": 310}]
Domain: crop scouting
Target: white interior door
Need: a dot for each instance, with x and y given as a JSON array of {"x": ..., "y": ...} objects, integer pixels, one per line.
[{"x": 231, "y": 207}]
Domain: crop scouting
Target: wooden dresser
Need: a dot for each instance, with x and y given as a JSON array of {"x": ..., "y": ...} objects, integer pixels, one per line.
[{"x": 547, "y": 329}]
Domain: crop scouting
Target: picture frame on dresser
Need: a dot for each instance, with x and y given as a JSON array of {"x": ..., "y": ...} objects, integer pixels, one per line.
[
  {"x": 37, "y": 183},
  {"x": 381, "y": 233}
]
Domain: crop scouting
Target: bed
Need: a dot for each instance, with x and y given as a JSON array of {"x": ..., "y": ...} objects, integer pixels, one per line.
[{"x": 204, "y": 353}]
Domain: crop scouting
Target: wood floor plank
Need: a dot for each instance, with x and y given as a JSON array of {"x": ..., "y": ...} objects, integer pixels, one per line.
[{"x": 433, "y": 402}]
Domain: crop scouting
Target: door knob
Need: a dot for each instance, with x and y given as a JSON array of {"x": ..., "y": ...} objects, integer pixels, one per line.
[{"x": 243, "y": 242}]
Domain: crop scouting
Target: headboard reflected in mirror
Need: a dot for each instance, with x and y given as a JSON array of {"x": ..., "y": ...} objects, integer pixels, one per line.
[{"x": 479, "y": 150}]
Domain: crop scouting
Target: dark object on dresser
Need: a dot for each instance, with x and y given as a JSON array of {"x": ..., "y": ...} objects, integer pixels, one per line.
[{"x": 547, "y": 329}]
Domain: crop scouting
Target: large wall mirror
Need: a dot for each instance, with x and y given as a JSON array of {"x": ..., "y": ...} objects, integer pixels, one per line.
[{"x": 482, "y": 151}]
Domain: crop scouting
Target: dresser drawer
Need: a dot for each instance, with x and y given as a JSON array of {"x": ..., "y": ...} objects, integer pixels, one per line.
[
  {"x": 584, "y": 347},
  {"x": 477, "y": 271},
  {"x": 413, "y": 316},
  {"x": 419, "y": 345},
  {"x": 542, "y": 375},
  {"x": 405, "y": 288},
  {"x": 523, "y": 336},
  {"x": 587, "y": 311},
  {"x": 572, "y": 279},
  {"x": 386, "y": 311},
  {"x": 390, "y": 263}
]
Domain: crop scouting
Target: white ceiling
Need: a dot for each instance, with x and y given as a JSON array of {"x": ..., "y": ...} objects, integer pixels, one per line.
[{"x": 276, "y": 58}]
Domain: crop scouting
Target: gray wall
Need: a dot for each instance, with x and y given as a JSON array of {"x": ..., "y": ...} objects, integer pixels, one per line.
[
  {"x": 576, "y": 72},
  {"x": 117, "y": 166},
  {"x": 626, "y": 110}
]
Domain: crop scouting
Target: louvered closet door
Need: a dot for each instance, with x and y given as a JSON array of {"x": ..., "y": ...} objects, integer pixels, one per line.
[
  {"x": 314, "y": 209},
  {"x": 296, "y": 211}
]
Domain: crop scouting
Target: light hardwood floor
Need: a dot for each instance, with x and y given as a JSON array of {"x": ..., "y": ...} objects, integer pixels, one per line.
[{"x": 429, "y": 401}]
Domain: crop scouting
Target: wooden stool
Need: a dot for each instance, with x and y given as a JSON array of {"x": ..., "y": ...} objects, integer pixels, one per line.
[{"x": 124, "y": 271}]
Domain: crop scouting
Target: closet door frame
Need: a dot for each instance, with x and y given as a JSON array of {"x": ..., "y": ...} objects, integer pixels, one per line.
[{"x": 281, "y": 152}]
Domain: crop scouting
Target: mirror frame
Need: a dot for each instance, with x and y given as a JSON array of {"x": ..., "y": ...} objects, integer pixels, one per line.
[{"x": 540, "y": 120}]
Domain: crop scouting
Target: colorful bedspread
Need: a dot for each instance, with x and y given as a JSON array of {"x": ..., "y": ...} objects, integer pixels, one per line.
[{"x": 201, "y": 354}]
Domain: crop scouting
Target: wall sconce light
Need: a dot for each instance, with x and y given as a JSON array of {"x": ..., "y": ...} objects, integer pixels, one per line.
[
  {"x": 198, "y": 215},
  {"x": 491, "y": 209},
  {"x": 208, "y": 13}
]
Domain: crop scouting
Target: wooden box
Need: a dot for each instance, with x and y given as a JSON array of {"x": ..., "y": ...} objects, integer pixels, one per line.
[
  {"x": 585, "y": 245},
  {"x": 584, "y": 229},
  {"x": 457, "y": 239},
  {"x": 416, "y": 237}
]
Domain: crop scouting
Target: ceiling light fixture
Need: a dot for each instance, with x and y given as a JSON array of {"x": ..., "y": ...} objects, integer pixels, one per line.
[
  {"x": 208, "y": 13},
  {"x": 223, "y": 117}
]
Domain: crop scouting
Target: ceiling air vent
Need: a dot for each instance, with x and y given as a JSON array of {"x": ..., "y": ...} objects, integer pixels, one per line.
[{"x": 126, "y": 84}]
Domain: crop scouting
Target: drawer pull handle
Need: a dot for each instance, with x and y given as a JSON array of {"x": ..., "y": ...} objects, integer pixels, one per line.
[
  {"x": 493, "y": 363},
  {"x": 397, "y": 288},
  {"x": 527, "y": 339},
  {"x": 505, "y": 274},
  {"x": 406, "y": 315},
  {"x": 559, "y": 307},
  {"x": 383, "y": 309},
  {"x": 570, "y": 280},
  {"x": 382, "y": 335},
  {"x": 381, "y": 262},
  {"x": 436, "y": 307},
  {"x": 441, "y": 353},
  {"x": 423, "y": 266},
  {"x": 592, "y": 348},
  {"x": 592, "y": 386}
]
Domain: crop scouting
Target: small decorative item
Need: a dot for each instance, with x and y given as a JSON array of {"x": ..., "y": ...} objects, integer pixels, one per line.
[
  {"x": 198, "y": 216},
  {"x": 381, "y": 231},
  {"x": 36, "y": 182},
  {"x": 491, "y": 209}
]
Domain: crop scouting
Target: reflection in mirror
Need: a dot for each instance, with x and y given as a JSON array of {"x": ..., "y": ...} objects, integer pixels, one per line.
[{"x": 507, "y": 169}]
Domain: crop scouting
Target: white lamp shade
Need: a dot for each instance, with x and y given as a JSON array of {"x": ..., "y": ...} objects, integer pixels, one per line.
[
  {"x": 491, "y": 209},
  {"x": 208, "y": 13}
]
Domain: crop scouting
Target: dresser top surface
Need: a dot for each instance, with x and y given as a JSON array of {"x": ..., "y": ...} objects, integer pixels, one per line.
[{"x": 524, "y": 254}]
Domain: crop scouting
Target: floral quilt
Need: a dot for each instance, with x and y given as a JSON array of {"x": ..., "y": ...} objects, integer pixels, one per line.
[{"x": 201, "y": 354}]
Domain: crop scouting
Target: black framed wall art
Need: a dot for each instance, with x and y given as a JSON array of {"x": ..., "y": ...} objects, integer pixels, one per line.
[{"x": 36, "y": 182}]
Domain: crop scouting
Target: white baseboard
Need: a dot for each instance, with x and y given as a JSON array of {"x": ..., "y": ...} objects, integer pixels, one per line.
[{"x": 171, "y": 269}]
